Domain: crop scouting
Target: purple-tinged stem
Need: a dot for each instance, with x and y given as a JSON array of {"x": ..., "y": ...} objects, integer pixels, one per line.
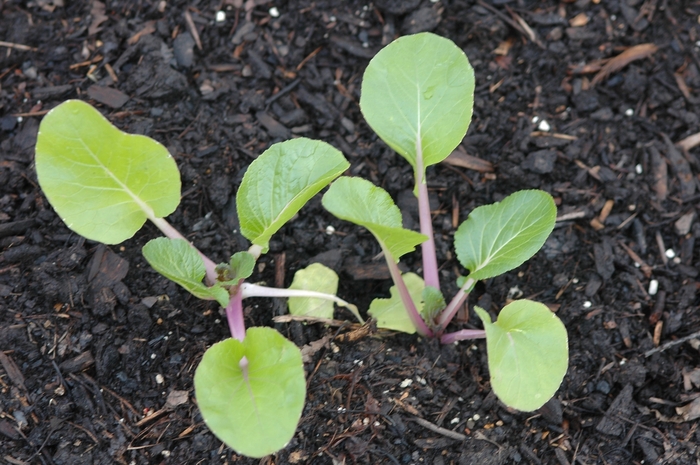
[
  {"x": 462, "y": 335},
  {"x": 453, "y": 307},
  {"x": 430, "y": 267},
  {"x": 169, "y": 231},
  {"x": 408, "y": 303},
  {"x": 234, "y": 315}
]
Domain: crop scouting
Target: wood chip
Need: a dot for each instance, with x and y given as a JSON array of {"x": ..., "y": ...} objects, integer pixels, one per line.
[
  {"x": 460, "y": 158},
  {"x": 108, "y": 96},
  {"x": 691, "y": 411},
  {"x": 12, "y": 370},
  {"x": 689, "y": 142},
  {"x": 78, "y": 363},
  {"x": 148, "y": 28},
  {"x": 637, "y": 52},
  {"x": 579, "y": 20}
]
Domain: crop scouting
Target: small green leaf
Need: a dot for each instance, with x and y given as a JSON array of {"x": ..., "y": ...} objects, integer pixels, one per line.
[
  {"x": 314, "y": 277},
  {"x": 255, "y": 409},
  {"x": 242, "y": 264},
  {"x": 433, "y": 302},
  {"x": 390, "y": 313},
  {"x": 499, "y": 237},
  {"x": 361, "y": 202},
  {"x": 178, "y": 261},
  {"x": 280, "y": 181},
  {"x": 102, "y": 182},
  {"x": 418, "y": 95},
  {"x": 528, "y": 353}
]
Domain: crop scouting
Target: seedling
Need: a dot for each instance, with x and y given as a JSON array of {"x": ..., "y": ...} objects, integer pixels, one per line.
[{"x": 417, "y": 94}]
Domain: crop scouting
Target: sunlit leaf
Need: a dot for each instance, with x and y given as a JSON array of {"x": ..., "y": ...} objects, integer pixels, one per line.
[
  {"x": 315, "y": 277},
  {"x": 390, "y": 313},
  {"x": 253, "y": 409},
  {"x": 102, "y": 182},
  {"x": 528, "y": 353}
]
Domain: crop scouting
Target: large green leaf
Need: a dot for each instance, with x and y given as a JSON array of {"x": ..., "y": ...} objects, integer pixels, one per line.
[
  {"x": 280, "y": 181},
  {"x": 315, "y": 277},
  {"x": 390, "y": 313},
  {"x": 253, "y": 409},
  {"x": 499, "y": 237},
  {"x": 528, "y": 353},
  {"x": 178, "y": 261},
  {"x": 361, "y": 202},
  {"x": 418, "y": 95},
  {"x": 102, "y": 182}
]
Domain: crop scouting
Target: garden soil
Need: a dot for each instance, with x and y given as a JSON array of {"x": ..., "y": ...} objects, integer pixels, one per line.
[{"x": 594, "y": 101}]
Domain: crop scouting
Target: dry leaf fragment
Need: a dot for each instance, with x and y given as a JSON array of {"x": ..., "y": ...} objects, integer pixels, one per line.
[
  {"x": 690, "y": 411},
  {"x": 615, "y": 64},
  {"x": 689, "y": 142},
  {"x": 98, "y": 17},
  {"x": 579, "y": 20},
  {"x": 148, "y": 28}
]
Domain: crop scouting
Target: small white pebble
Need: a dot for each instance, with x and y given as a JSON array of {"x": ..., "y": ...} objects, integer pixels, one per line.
[
  {"x": 629, "y": 112},
  {"x": 330, "y": 230},
  {"x": 653, "y": 287},
  {"x": 376, "y": 423},
  {"x": 159, "y": 378},
  {"x": 19, "y": 119},
  {"x": 274, "y": 12},
  {"x": 476, "y": 417},
  {"x": 622, "y": 362},
  {"x": 544, "y": 126},
  {"x": 587, "y": 304},
  {"x": 677, "y": 260},
  {"x": 365, "y": 421},
  {"x": 454, "y": 421},
  {"x": 165, "y": 453},
  {"x": 670, "y": 253},
  {"x": 575, "y": 280},
  {"x": 535, "y": 119},
  {"x": 406, "y": 382},
  {"x": 153, "y": 356},
  {"x": 637, "y": 265},
  {"x": 220, "y": 16},
  {"x": 632, "y": 207},
  {"x": 335, "y": 348},
  {"x": 421, "y": 380},
  {"x": 638, "y": 169}
]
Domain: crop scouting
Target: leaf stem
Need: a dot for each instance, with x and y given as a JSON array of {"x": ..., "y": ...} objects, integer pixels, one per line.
[
  {"x": 462, "y": 335},
  {"x": 254, "y": 290},
  {"x": 169, "y": 231},
  {"x": 430, "y": 268},
  {"x": 408, "y": 303},
  {"x": 453, "y": 307},
  {"x": 234, "y": 315}
]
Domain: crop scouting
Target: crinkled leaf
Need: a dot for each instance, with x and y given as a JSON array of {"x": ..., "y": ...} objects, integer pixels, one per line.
[
  {"x": 242, "y": 264},
  {"x": 102, "y": 182},
  {"x": 528, "y": 353},
  {"x": 361, "y": 202},
  {"x": 418, "y": 95},
  {"x": 315, "y": 277},
  {"x": 390, "y": 313},
  {"x": 499, "y": 237},
  {"x": 253, "y": 410},
  {"x": 433, "y": 302},
  {"x": 280, "y": 181},
  {"x": 178, "y": 261}
]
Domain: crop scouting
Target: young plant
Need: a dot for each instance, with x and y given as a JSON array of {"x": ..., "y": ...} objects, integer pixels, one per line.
[
  {"x": 418, "y": 95},
  {"x": 105, "y": 184}
]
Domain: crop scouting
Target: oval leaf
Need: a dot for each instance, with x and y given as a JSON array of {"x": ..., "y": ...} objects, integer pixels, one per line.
[
  {"x": 315, "y": 277},
  {"x": 390, "y": 313},
  {"x": 280, "y": 181},
  {"x": 361, "y": 202},
  {"x": 528, "y": 353},
  {"x": 418, "y": 95},
  {"x": 255, "y": 409},
  {"x": 499, "y": 237},
  {"x": 102, "y": 182},
  {"x": 178, "y": 261}
]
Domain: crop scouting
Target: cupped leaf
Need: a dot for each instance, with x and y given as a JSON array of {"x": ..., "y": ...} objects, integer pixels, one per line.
[
  {"x": 251, "y": 393},
  {"x": 418, "y": 95},
  {"x": 315, "y": 277},
  {"x": 361, "y": 202},
  {"x": 390, "y": 313},
  {"x": 499, "y": 237},
  {"x": 528, "y": 353},
  {"x": 178, "y": 261},
  {"x": 280, "y": 181},
  {"x": 102, "y": 182},
  {"x": 433, "y": 303}
]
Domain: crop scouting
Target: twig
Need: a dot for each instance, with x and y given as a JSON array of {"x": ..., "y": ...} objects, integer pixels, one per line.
[
  {"x": 440, "y": 430},
  {"x": 24, "y": 48},
  {"x": 670, "y": 344},
  {"x": 193, "y": 29}
]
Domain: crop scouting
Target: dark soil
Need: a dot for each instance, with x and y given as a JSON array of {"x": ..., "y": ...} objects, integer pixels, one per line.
[{"x": 98, "y": 351}]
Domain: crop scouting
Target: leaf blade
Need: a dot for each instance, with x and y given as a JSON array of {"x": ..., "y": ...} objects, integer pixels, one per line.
[
  {"x": 528, "y": 353},
  {"x": 280, "y": 181},
  {"x": 500, "y": 237},
  {"x": 102, "y": 182},
  {"x": 390, "y": 313},
  {"x": 315, "y": 277}
]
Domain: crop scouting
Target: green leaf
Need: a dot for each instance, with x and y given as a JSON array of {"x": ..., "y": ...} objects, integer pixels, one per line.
[
  {"x": 102, "y": 182},
  {"x": 178, "y": 261},
  {"x": 314, "y": 277},
  {"x": 242, "y": 264},
  {"x": 433, "y": 302},
  {"x": 255, "y": 409},
  {"x": 361, "y": 202},
  {"x": 390, "y": 313},
  {"x": 418, "y": 95},
  {"x": 528, "y": 353},
  {"x": 499, "y": 237},
  {"x": 280, "y": 181}
]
